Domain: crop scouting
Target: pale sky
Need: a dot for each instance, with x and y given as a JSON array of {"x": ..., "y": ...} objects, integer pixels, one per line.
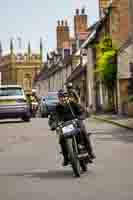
[{"x": 32, "y": 19}]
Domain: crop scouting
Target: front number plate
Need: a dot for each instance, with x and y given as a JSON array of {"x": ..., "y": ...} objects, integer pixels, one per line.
[{"x": 68, "y": 128}]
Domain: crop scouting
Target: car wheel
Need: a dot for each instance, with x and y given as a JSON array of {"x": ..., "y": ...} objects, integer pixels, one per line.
[
  {"x": 43, "y": 115},
  {"x": 26, "y": 118}
]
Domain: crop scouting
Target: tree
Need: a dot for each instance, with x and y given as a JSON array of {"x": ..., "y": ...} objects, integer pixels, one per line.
[{"x": 107, "y": 66}]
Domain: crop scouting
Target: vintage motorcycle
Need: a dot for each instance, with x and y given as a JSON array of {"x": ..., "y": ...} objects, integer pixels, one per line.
[{"x": 78, "y": 156}]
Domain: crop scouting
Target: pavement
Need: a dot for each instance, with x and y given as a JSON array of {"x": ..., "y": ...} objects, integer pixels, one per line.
[{"x": 122, "y": 121}]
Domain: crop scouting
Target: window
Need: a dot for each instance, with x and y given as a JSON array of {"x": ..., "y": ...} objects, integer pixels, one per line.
[
  {"x": 67, "y": 52},
  {"x": 51, "y": 98}
]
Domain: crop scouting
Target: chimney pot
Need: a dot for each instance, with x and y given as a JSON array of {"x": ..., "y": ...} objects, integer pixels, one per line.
[
  {"x": 58, "y": 22},
  {"x": 77, "y": 11},
  {"x": 83, "y": 11}
]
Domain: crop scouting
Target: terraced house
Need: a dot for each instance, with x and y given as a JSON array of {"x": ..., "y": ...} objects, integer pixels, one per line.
[{"x": 76, "y": 58}]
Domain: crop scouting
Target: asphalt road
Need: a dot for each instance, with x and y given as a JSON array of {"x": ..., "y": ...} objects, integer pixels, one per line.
[{"x": 30, "y": 164}]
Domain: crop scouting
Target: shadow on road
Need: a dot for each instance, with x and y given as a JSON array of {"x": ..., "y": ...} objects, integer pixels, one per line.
[
  {"x": 11, "y": 122},
  {"x": 49, "y": 174}
]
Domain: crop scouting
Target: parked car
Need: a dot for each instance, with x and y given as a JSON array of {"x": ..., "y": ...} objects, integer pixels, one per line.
[
  {"x": 13, "y": 103},
  {"x": 48, "y": 104}
]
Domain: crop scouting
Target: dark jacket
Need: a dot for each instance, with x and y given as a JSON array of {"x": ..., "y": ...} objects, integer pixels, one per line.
[{"x": 69, "y": 111}]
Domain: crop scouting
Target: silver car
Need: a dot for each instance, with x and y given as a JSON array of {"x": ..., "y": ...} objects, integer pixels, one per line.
[
  {"x": 48, "y": 104},
  {"x": 13, "y": 103}
]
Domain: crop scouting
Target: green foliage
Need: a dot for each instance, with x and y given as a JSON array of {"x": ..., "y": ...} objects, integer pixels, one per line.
[
  {"x": 106, "y": 64},
  {"x": 130, "y": 99},
  {"x": 105, "y": 44}
]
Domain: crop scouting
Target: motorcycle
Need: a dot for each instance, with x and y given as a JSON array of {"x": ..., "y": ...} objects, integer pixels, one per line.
[{"x": 78, "y": 156}]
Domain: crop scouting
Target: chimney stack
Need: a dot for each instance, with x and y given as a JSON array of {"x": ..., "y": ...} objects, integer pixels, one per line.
[
  {"x": 62, "y": 34},
  {"x": 80, "y": 22}
]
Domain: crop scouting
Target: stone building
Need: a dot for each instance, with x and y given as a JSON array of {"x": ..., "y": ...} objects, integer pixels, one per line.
[
  {"x": 63, "y": 61},
  {"x": 95, "y": 91},
  {"x": 125, "y": 68},
  {"x": 119, "y": 23},
  {"x": 54, "y": 75},
  {"x": 120, "y": 29},
  {"x": 79, "y": 57},
  {"x": 21, "y": 68},
  {"x": 115, "y": 22},
  {"x": 41, "y": 83},
  {"x": 125, "y": 60}
]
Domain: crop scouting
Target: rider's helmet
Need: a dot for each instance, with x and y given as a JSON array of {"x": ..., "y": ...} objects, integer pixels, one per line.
[{"x": 69, "y": 85}]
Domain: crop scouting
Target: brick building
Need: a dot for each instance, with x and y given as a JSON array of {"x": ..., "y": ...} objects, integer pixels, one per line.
[
  {"x": 62, "y": 62},
  {"x": 119, "y": 18},
  {"x": 121, "y": 31}
]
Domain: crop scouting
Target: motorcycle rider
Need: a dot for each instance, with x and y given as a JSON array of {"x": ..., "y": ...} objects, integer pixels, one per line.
[
  {"x": 66, "y": 110},
  {"x": 72, "y": 92}
]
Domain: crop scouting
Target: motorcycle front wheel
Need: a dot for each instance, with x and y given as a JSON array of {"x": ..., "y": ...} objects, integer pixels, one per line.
[{"x": 73, "y": 156}]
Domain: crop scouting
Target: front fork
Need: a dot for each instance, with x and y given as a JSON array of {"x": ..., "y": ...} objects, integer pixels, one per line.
[{"x": 75, "y": 145}]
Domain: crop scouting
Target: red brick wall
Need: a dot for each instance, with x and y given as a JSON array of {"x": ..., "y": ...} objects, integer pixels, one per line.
[
  {"x": 120, "y": 20},
  {"x": 120, "y": 25},
  {"x": 80, "y": 23},
  {"x": 62, "y": 34}
]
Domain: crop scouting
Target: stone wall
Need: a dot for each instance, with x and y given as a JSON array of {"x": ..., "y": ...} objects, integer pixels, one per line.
[
  {"x": 41, "y": 88},
  {"x": 124, "y": 59}
]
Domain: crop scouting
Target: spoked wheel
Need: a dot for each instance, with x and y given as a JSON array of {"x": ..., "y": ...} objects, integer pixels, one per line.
[{"x": 73, "y": 156}]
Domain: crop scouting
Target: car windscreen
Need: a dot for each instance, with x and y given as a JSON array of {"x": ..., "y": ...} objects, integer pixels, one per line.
[
  {"x": 11, "y": 91},
  {"x": 51, "y": 98}
]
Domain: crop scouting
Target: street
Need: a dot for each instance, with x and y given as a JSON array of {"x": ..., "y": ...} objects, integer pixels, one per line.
[{"x": 31, "y": 164}]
